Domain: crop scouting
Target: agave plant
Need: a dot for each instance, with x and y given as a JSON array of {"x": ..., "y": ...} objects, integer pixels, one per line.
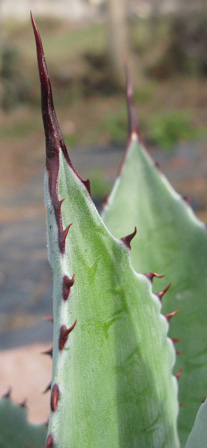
[{"x": 114, "y": 360}]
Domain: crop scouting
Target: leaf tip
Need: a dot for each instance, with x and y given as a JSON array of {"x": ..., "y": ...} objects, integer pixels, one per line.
[{"x": 132, "y": 115}]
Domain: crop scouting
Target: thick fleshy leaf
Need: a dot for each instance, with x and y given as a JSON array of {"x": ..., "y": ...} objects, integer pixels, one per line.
[
  {"x": 198, "y": 435},
  {"x": 15, "y": 431},
  {"x": 112, "y": 361},
  {"x": 171, "y": 241}
]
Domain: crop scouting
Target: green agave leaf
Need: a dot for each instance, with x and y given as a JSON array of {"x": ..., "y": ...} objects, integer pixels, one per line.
[
  {"x": 170, "y": 241},
  {"x": 15, "y": 431},
  {"x": 198, "y": 435},
  {"x": 112, "y": 380}
]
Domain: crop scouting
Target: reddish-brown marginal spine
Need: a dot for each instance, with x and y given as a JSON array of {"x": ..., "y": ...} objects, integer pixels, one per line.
[
  {"x": 161, "y": 293},
  {"x": 67, "y": 284},
  {"x": 49, "y": 318},
  {"x": 8, "y": 393},
  {"x": 55, "y": 395},
  {"x": 134, "y": 129},
  {"x": 47, "y": 388},
  {"x": 62, "y": 237},
  {"x": 50, "y": 442},
  {"x": 175, "y": 339},
  {"x": 54, "y": 139},
  {"x": 170, "y": 315},
  {"x": 127, "y": 239},
  {"x": 64, "y": 333},
  {"x": 48, "y": 352},
  {"x": 151, "y": 275},
  {"x": 23, "y": 404},
  {"x": 178, "y": 374}
]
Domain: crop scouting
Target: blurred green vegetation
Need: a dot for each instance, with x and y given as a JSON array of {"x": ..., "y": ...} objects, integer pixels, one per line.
[
  {"x": 99, "y": 186},
  {"x": 167, "y": 130},
  {"x": 114, "y": 124},
  {"x": 91, "y": 109}
]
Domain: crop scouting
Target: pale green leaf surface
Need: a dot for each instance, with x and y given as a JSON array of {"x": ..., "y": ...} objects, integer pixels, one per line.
[
  {"x": 115, "y": 372},
  {"x": 198, "y": 435},
  {"x": 171, "y": 241},
  {"x": 15, "y": 431}
]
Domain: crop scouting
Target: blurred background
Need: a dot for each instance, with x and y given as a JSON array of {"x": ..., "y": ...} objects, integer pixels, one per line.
[{"x": 86, "y": 42}]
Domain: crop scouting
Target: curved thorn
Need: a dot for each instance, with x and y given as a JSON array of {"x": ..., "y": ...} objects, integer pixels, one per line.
[
  {"x": 127, "y": 239},
  {"x": 67, "y": 284},
  {"x": 48, "y": 352},
  {"x": 50, "y": 442},
  {"x": 151, "y": 275},
  {"x": 49, "y": 318},
  {"x": 47, "y": 388},
  {"x": 87, "y": 184},
  {"x": 23, "y": 404},
  {"x": 170, "y": 315},
  {"x": 55, "y": 395},
  {"x": 161, "y": 293},
  {"x": 57, "y": 205},
  {"x": 178, "y": 374},
  {"x": 62, "y": 238},
  {"x": 105, "y": 201},
  {"x": 64, "y": 333},
  {"x": 8, "y": 393},
  {"x": 175, "y": 339},
  {"x": 186, "y": 199}
]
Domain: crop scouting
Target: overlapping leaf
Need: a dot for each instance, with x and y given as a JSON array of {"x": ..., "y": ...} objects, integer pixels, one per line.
[
  {"x": 170, "y": 241},
  {"x": 198, "y": 435},
  {"x": 15, "y": 431}
]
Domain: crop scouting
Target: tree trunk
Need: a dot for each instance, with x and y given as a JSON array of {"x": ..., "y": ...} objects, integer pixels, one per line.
[{"x": 118, "y": 39}]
